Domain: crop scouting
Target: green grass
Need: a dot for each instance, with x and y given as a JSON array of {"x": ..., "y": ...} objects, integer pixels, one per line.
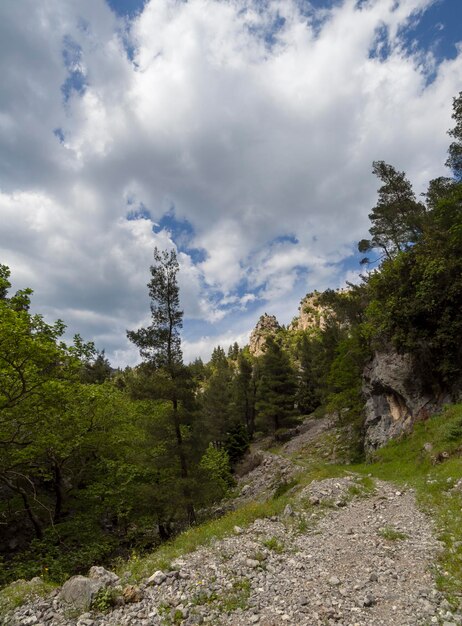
[
  {"x": 274, "y": 545},
  {"x": 392, "y": 534},
  {"x": 21, "y": 591},
  {"x": 236, "y": 598},
  {"x": 406, "y": 462},
  {"x": 284, "y": 487}
]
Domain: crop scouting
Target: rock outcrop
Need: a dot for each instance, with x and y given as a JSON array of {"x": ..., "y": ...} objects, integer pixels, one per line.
[
  {"x": 311, "y": 314},
  {"x": 395, "y": 398},
  {"x": 266, "y": 326}
]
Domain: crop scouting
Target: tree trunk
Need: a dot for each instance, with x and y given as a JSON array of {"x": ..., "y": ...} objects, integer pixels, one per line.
[
  {"x": 34, "y": 521},
  {"x": 25, "y": 498}
]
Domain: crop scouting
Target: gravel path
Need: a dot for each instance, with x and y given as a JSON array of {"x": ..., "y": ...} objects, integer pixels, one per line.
[{"x": 334, "y": 558}]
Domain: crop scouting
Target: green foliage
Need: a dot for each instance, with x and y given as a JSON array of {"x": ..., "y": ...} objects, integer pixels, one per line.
[
  {"x": 416, "y": 298},
  {"x": 308, "y": 396},
  {"x": 164, "y": 377},
  {"x": 104, "y": 599},
  {"x": 397, "y": 219},
  {"x": 236, "y": 598},
  {"x": 97, "y": 370},
  {"x": 203, "y": 534},
  {"x": 237, "y": 442},
  {"x": 283, "y": 487},
  {"x": 454, "y": 430},
  {"x": 216, "y": 398},
  {"x": 215, "y": 463},
  {"x": 454, "y": 161},
  {"x": 21, "y": 591},
  {"x": 243, "y": 395},
  {"x": 160, "y": 343},
  {"x": 276, "y": 388},
  {"x": 274, "y": 545}
]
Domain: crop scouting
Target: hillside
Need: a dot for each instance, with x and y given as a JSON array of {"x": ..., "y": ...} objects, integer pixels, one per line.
[{"x": 306, "y": 542}]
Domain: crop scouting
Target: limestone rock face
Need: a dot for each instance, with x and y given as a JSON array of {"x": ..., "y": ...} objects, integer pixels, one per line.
[
  {"x": 395, "y": 398},
  {"x": 311, "y": 314},
  {"x": 266, "y": 326}
]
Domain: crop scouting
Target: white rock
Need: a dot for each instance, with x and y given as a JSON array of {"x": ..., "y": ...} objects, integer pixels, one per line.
[{"x": 157, "y": 578}]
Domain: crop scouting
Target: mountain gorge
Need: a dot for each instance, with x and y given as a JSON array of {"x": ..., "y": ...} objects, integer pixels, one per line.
[{"x": 256, "y": 449}]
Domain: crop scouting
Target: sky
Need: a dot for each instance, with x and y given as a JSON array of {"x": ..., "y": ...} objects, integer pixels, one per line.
[{"x": 239, "y": 132}]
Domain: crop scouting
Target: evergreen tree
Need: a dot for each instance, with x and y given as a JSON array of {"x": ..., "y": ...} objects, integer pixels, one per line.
[
  {"x": 276, "y": 387},
  {"x": 243, "y": 403},
  {"x": 216, "y": 398},
  {"x": 397, "y": 219},
  {"x": 454, "y": 161},
  {"x": 233, "y": 351},
  {"x": 97, "y": 370},
  {"x": 308, "y": 392},
  {"x": 160, "y": 346}
]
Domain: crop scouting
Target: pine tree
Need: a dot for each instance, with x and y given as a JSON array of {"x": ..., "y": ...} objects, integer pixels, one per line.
[
  {"x": 243, "y": 404},
  {"x": 308, "y": 392},
  {"x": 397, "y": 219},
  {"x": 276, "y": 387},
  {"x": 216, "y": 399},
  {"x": 454, "y": 161},
  {"x": 160, "y": 347}
]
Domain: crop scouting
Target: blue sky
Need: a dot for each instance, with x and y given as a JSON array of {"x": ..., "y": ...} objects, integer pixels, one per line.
[{"x": 240, "y": 133}]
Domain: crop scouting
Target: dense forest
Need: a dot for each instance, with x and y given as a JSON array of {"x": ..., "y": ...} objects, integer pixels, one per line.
[{"x": 98, "y": 463}]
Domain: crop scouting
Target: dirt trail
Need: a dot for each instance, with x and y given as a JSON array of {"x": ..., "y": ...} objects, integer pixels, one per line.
[{"x": 346, "y": 552}]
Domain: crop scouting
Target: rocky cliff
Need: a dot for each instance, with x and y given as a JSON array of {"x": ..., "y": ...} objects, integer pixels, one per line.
[
  {"x": 311, "y": 314},
  {"x": 395, "y": 398},
  {"x": 266, "y": 326}
]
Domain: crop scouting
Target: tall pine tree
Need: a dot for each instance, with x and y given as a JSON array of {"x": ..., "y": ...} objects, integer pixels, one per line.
[
  {"x": 160, "y": 346},
  {"x": 276, "y": 387}
]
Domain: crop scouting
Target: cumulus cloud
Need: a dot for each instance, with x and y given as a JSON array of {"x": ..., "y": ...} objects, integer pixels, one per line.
[{"x": 257, "y": 121}]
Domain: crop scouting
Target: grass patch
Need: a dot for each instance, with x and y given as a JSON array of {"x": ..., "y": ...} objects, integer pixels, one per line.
[
  {"x": 364, "y": 486},
  {"x": 236, "y": 598},
  {"x": 284, "y": 487},
  {"x": 429, "y": 461},
  {"x": 392, "y": 534},
  {"x": 274, "y": 545},
  {"x": 21, "y": 591}
]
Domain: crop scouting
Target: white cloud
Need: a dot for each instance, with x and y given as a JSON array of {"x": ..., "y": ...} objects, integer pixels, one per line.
[{"x": 249, "y": 142}]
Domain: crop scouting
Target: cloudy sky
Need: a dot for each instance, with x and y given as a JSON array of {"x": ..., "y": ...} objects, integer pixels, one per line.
[{"x": 241, "y": 132}]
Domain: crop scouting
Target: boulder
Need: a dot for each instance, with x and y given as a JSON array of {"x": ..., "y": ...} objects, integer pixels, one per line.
[
  {"x": 132, "y": 594},
  {"x": 157, "y": 578},
  {"x": 79, "y": 592},
  {"x": 109, "y": 579}
]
